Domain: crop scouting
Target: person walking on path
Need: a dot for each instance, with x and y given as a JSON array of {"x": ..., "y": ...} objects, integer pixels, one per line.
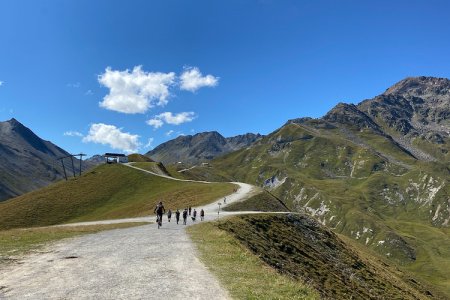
[
  {"x": 177, "y": 215},
  {"x": 169, "y": 215},
  {"x": 225, "y": 200},
  {"x": 189, "y": 210},
  {"x": 194, "y": 215},
  {"x": 159, "y": 210},
  {"x": 202, "y": 214},
  {"x": 185, "y": 214}
]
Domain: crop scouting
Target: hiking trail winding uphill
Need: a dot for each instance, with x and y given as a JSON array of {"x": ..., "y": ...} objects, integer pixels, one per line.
[{"x": 141, "y": 262}]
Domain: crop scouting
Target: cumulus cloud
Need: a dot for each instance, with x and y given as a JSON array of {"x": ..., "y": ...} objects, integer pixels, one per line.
[
  {"x": 149, "y": 143},
  {"x": 156, "y": 123},
  {"x": 73, "y": 133},
  {"x": 135, "y": 91},
  {"x": 192, "y": 79},
  {"x": 114, "y": 137},
  {"x": 170, "y": 118}
]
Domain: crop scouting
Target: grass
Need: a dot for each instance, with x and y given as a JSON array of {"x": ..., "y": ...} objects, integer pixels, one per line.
[
  {"x": 107, "y": 192},
  {"x": 298, "y": 246},
  {"x": 199, "y": 172},
  {"x": 364, "y": 192},
  {"x": 136, "y": 157},
  {"x": 16, "y": 242},
  {"x": 433, "y": 251},
  {"x": 154, "y": 167},
  {"x": 242, "y": 273},
  {"x": 263, "y": 201}
]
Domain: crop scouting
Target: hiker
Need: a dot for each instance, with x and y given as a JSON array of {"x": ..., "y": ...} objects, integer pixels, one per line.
[
  {"x": 202, "y": 215},
  {"x": 225, "y": 200},
  {"x": 169, "y": 215},
  {"x": 159, "y": 210},
  {"x": 194, "y": 215},
  {"x": 185, "y": 214},
  {"x": 177, "y": 215},
  {"x": 189, "y": 210}
]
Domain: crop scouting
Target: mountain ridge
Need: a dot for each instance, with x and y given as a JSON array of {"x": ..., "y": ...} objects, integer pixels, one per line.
[
  {"x": 28, "y": 162},
  {"x": 201, "y": 147},
  {"x": 377, "y": 172}
]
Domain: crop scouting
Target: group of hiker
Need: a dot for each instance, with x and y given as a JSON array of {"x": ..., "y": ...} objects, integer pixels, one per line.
[{"x": 160, "y": 210}]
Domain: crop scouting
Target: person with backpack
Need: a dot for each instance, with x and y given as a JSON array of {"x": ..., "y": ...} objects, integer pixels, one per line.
[
  {"x": 177, "y": 216},
  {"x": 169, "y": 215},
  {"x": 185, "y": 214},
  {"x": 202, "y": 214}
]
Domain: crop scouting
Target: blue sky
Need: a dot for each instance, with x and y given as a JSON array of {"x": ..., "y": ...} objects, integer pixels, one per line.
[{"x": 69, "y": 70}]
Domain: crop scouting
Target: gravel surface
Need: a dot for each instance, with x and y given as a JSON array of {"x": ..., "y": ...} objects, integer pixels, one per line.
[{"x": 134, "y": 263}]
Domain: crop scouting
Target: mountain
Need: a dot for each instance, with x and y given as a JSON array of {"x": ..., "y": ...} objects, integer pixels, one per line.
[
  {"x": 201, "y": 147},
  {"x": 377, "y": 172},
  {"x": 28, "y": 162}
]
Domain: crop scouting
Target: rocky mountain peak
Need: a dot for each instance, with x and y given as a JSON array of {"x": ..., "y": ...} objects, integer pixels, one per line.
[
  {"x": 349, "y": 114},
  {"x": 427, "y": 88}
]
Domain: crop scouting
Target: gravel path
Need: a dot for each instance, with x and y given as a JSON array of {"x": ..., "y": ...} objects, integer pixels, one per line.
[{"x": 133, "y": 263}]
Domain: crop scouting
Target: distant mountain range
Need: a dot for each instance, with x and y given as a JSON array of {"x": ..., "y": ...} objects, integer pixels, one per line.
[
  {"x": 28, "y": 162},
  {"x": 201, "y": 147}
]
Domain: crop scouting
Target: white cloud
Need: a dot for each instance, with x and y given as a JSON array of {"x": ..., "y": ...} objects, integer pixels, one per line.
[
  {"x": 73, "y": 133},
  {"x": 149, "y": 143},
  {"x": 192, "y": 80},
  {"x": 170, "y": 118},
  {"x": 169, "y": 133},
  {"x": 156, "y": 123},
  {"x": 1, "y": 83},
  {"x": 114, "y": 137},
  {"x": 136, "y": 91},
  {"x": 89, "y": 93}
]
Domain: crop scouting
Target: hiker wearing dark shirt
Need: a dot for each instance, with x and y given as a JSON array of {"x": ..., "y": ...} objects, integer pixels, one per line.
[
  {"x": 169, "y": 215},
  {"x": 189, "y": 210},
  {"x": 159, "y": 210},
  {"x": 177, "y": 215},
  {"x": 185, "y": 214},
  {"x": 194, "y": 215},
  {"x": 202, "y": 215}
]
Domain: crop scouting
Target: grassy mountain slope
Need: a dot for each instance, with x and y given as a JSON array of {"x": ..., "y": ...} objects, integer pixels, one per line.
[
  {"x": 301, "y": 248},
  {"x": 107, "y": 192},
  {"x": 263, "y": 201},
  {"x": 136, "y": 157},
  {"x": 359, "y": 174}
]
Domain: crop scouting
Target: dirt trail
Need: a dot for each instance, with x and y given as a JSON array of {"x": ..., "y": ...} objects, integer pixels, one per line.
[{"x": 134, "y": 263}]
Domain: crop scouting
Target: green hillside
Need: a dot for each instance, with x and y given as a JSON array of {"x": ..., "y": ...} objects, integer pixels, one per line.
[
  {"x": 300, "y": 248},
  {"x": 358, "y": 183},
  {"x": 136, "y": 157},
  {"x": 106, "y": 192}
]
